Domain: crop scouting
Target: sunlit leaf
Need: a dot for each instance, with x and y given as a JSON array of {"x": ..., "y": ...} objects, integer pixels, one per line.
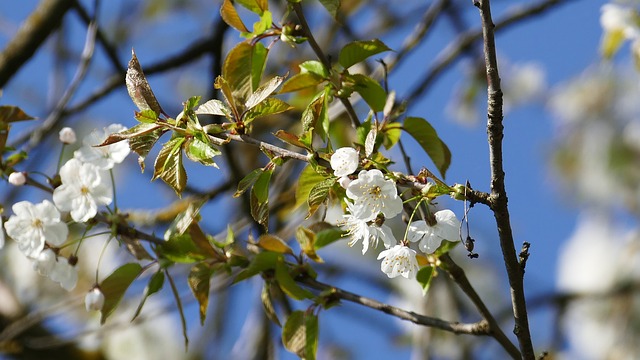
[
  {"x": 262, "y": 25},
  {"x": 301, "y": 81},
  {"x": 142, "y": 144},
  {"x": 9, "y": 114},
  {"x": 391, "y": 134},
  {"x": 265, "y": 260},
  {"x": 155, "y": 284},
  {"x": 328, "y": 236},
  {"x": 243, "y": 67},
  {"x": 247, "y": 181},
  {"x": 169, "y": 167},
  {"x": 307, "y": 240},
  {"x": 198, "y": 280},
  {"x": 256, "y": 6},
  {"x": 115, "y": 285},
  {"x": 181, "y": 249},
  {"x": 428, "y": 139},
  {"x": 314, "y": 67},
  {"x": 230, "y": 16},
  {"x": 136, "y": 131},
  {"x": 318, "y": 194},
  {"x": 290, "y": 138},
  {"x": 307, "y": 180},
  {"x": 213, "y": 107},
  {"x": 201, "y": 151},
  {"x": 269, "y": 106},
  {"x": 273, "y": 243},
  {"x": 263, "y": 92},
  {"x": 138, "y": 87},
  {"x": 358, "y": 51},
  {"x": 370, "y": 90}
]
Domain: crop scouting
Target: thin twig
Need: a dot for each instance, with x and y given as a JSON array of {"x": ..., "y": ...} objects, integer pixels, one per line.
[
  {"x": 478, "y": 328},
  {"x": 495, "y": 132}
]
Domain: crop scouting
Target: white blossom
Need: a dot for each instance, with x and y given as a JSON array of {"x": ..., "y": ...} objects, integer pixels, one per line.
[
  {"x": 617, "y": 18},
  {"x": 17, "y": 178},
  {"x": 104, "y": 157},
  {"x": 64, "y": 273},
  {"x": 67, "y": 135},
  {"x": 33, "y": 224},
  {"x": 94, "y": 300},
  {"x": 359, "y": 229},
  {"x": 44, "y": 262},
  {"x": 447, "y": 227},
  {"x": 399, "y": 260},
  {"x": 344, "y": 161},
  {"x": 84, "y": 188},
  {"x": 373, "y": 194}
]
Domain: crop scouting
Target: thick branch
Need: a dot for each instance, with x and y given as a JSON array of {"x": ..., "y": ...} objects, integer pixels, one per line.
[
  {"x": 478, "y": 328},
  {"x": 33, "y": 32},
  {"x": 498, "y": 191}
]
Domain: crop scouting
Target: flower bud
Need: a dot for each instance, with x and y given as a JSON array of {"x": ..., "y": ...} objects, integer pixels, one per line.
[
  {"x": 67, "y": 135},
  {"x": 94, "y": 300},
  {"x": 17, "y": 178}
]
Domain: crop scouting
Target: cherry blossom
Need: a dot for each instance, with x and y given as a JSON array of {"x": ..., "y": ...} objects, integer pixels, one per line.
[
  {"x": 399, "y": 260},
  {"x": 84, "y": 188},
  {"x": 447, "y": 227},
  {"x": 359, "y": 229},
  {"x": 33, "y": 224},
  {"x": 104, "y": 157},
  {"x": 64, "y": 273},
  {"x": 373, "y": 194},
  {"x": 344, "y": 161}
]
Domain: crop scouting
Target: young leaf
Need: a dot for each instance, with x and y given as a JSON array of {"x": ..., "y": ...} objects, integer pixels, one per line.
[
  {"x": 230, "y": 16},
  {"x": 308, "y": 179},
  {"x": 154, "y": 285},
  {"x": 318, "y": 194},
  {"x": 9, "y": 114},
  {"x": 258, "y": 64},
  {"x": 301, "y": 81},
  {"x": 288, "y": 285},
  {"x": 213, "y": 107},
  {"x": 427, "y": 137},
  {"x": 199, "y": 277},
  {"x": 115, "y": 285},
  {"x": 247, "y": 181},
  {"x": 256, "y": 6},
  {"x": 314, "y": 67},
  {"x": 391, "y": 134},
  {"x": 265, "y": 260},
  {"x": 202, "y": 152},
  {"x": 181, "y": 249},
  {"x": 243, "y": 68},
  {"x": 424, "y": 277},
  {"x": 290, "y": 139},
  {"x": 273, "y": 243},
  {"x": 370, "y": 90},
  {"x": 269, "y": 106},
  {"x": 138, "y": 87},
  {"x": 146, "y": 116},
  {"x": 262, "y": 25},
  {"x": 307, "y": 240},
  {"x": 358, "y": 51},
  {"x": 138, "y": 130},
  {"x": 169, "y": 167},
  {"x": 300, "y": 334},
  {"x": 263, "y": 92},
  {"x": 142, "y": 144}
]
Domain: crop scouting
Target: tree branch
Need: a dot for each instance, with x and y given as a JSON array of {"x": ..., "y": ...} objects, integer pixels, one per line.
[{"x": 498, "y": 192}]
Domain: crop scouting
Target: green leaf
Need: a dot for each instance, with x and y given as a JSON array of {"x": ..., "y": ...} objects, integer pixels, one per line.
[
  {"x": 273, "y": 243},
  {"x": 445, "y": 247},
  {"x": 202, "y": 152},
  {"x": 138, "y": 87},
  {"x": 263, "y": 92},
  {"x": 301, "y": 81},
  {"x": 230, "y": 16},
  {"x": 269, "y": 106},
  {"x": 328, "y": 236},
  {"x": 314, "y": 67},
  {"x": 247, "y": 181},
  {"x": 288, "y": 285},
  {"x": 198, "y": 279},
  {"x": 214, "y": 107},
  {"x": 9, "y": 114},
  {"x": 259, "y": 200},
  {"x": 318, "y": 194},
  {"x": 358, "y": 51},
  {"x": 307, "y": 240},
  {"x": 256, "y": 6},
  {"x": 169, "y": 166},
  {"x": 265, "y": 260},
  {"x": 181, "y": 249},
  {"x": 370, "y": 90},
  {"x": 391, "y": 134},
  {"x": 300, "y": 334},
  {"x": 115, "y": 285},
  {"x": 424, "y": 277},
  {"x": 290, "y": 139},
  {"x": 261, "y": 186},
  {"x": 427, "y": 137},
  {"x": 332, "y": 6},
  {"x": 262, "y": 25},
  {"x": 308, "y": 179},
  {"x": 155, "y": 284},
  {"x": 146, "y": 116},
  {"x": 242, "y": 69}
]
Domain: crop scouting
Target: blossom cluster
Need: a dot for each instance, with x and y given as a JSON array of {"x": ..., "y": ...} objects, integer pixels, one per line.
[
  {"x": 373, "y": 198},
  {"x": 620, "y": 22},
  {"x": 39, "y": 229}
]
